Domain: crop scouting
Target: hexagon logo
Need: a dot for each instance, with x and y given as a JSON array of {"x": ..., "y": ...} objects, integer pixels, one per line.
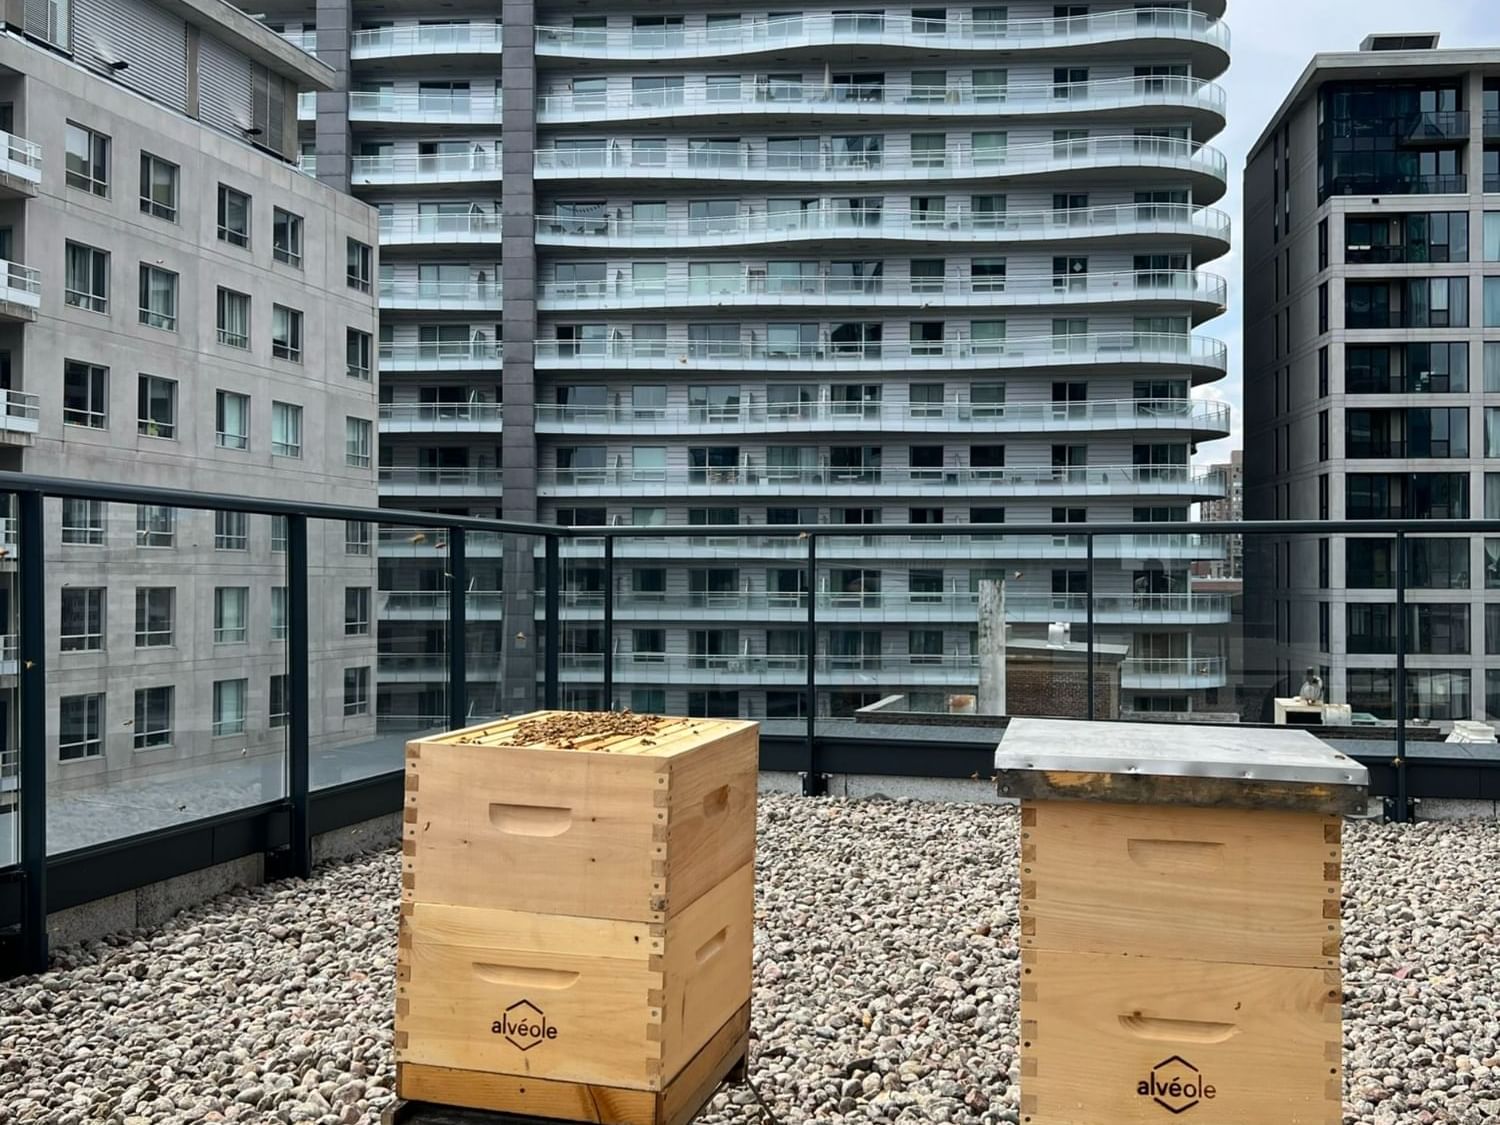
[
  {"x": 1176, "y": 1085},
  {"x": 524, "y": 1025}
]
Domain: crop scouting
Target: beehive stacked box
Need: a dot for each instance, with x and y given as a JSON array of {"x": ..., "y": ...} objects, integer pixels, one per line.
[{"x": 576, "y": 918}]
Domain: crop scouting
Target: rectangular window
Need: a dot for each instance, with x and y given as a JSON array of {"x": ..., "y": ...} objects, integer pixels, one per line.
[
  {"x": 83, "y": 522},
  {"x": 158, "y": 187},
  {"x": 155, "y": 525},
  {"x": 87, "y": 159},
  {"x": 154, "y": 611},
  {"x": 357, "y": 348},
  {"x": 1492, "y": 302},
  {"x": 286, "y": 237},
  {"x": 356, "y": 611},
  {"x": 231, "y": 614},
  {"x": 280, "y": 529},
  {"x": 80, "y": 727},
  {"x": 286, "y": 429},
  {"x": 153, "y": 717},
  {"x": 356, "y": 538},
  {"x": 360, "y": 265},
  {"x": 156, "y": 406},
  {"x": 286, "y": 333},
  {"x": 234, "y": 216},
  {"x": 82, "y": 619},
  {"x": 1492, "y": 246},
  {"x": 229, "y": 707},
  {"x": 233, "y": 318},
  {"x": 85, "y": 394},
  {"x": 158, "y": 308},
  {"x": 231, "y": 420},
  {"x": 231, "y": 531},
  {"x": 281, "y": 707},
  {"x": 86, "y": 284},
  {"x": 356, "y": 691},
  {"x": 357, "y": 441},
  {"x": 280, "y": 607}
]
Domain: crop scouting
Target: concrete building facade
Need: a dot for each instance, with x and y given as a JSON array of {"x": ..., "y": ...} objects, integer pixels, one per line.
[
  {"x": 1372, "y": 285},
  {"x": 769, "y": 268},
  {"x": 175, "y": 312}
]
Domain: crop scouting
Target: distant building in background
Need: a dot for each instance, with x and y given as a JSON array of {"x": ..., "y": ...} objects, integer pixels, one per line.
[
  {"x": 1229, "y": 508},
  {"x": 1372, "y": 217}
]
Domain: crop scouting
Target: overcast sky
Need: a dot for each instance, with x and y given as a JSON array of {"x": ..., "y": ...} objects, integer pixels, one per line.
[{"x": 1271, "y": 42}]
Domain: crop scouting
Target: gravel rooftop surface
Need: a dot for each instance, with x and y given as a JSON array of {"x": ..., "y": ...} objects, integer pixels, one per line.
[{"x": 885, "y": 985}]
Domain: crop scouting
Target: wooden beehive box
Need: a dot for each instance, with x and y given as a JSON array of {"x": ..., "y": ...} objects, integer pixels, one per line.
[
  {"x": 577, "y": 913},
  {"x": 1180, "y": 891}
]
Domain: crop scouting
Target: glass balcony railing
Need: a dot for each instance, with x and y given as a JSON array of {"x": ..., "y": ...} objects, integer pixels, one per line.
[
  {"x": 418, "y": 39},
  {"x": 775, "y": 96},
  {"x": 20, "y": 285},
  {"x": 306, "y": 40},
  {"x": 1491, "y": 125},
  {"x": 413, "y": 481},
  {"x": 425, "y": 106},
  {"x": 420, "y": 417},
  {"x": 21, "y": 161},
  {"x": 1085, "y": 349},
  {"x": 754, "y": 160},
  {"x": 474, "y": 163},
  {"x": 417, "y": 293},
  {"x": 830, "y": 219},
  {"x": 307, "y": 164},
  {"x": 478, "y": 354},
  {"x": 825, "y": 29},
  {"x": 457, "y": 229},
  {"x": 20, "y": 412},
  {"x": 753, "y": 286}
]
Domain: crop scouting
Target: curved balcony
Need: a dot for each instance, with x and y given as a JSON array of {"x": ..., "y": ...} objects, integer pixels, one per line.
[
  {"x": 473, "y": 229},
  {"x": 403, "y": 481},
  {"x": 1174, "y": 96},
  {"x": 1082, "y": 161},
  {"x": 475, "y": 165},
  {"x": 1098, "y": 352},
  {"x": 452, "y": 296},
  {"x": 426, "y": 41},
  {"x": 749, "y": 480},
  {"x": 1146, "y": 31},
  {"x": 425, "y": 108},
  {"x": 1206, "y": 230},
  {"x": 440, "y": 417},
  {"x": 1152, "y": 674},
  {"x": 455, "y": 355},
  {"x": 1203, "y": 293},
  {"x": 1203, "y": 418}
]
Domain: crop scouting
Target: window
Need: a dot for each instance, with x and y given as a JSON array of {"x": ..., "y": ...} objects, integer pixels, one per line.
[
  {"x": 87, "y": 159},
  {"x": 286, "y": 333},
  {"x": 234, "y": 216},
  {"x": 233, "y": 318},
  {"x": 80, "y": 727},
  {"x": 86, "y": 285},
  {"x": 357, "y": 611},
  {"x": 356, "y": 538},
  {"x": 1492, "y": 302},
  {"x": 158, "y": 307},
  {"x": 281, "y": 707},
  {"x": 231, "y": 531},
  {"x": 83, "y": 522},
  {"x": 82, "y": 619},
  {"x": 280, "y": 529},
  {"x": 156, "y": 406},
  {"x": 279, "y": 613},
  {"x": 286, "y": 429},
  {"x": 357, "y": 351},
  {"x": 231, "y": 614},
  {"x": 356, "y": 691},
  {"x": 155, "y": 525},
  {"x": 360, "y": 266},
  {"x": 229, "y": 707},
  {"x": 231, "y": 420},
  {"x": 153, "y": 717},
  {"x": 286, "y": 237},
  {"x": 357, "y": 442},
  {"x": 154, "y": 609},
  {"x": 85, "y": 391},
  {"x": 158, "y": 187}
]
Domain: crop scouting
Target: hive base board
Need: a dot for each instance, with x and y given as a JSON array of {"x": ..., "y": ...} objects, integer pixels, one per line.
[{"x": 441, "y": 1090}]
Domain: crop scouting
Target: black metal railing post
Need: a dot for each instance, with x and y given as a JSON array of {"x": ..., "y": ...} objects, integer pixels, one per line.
[
  {"x": 458, "y": 629},
  {"x": 1402, "y": 812},
  {"x": 1088, "y": 585},
  {"x": 33, "y": 757},
  {"x": 812, "y": 781},
  {"x": 552, "y": 636},
  {"x": 609, "y": 622},
  {"x": 298, "y": 761}
]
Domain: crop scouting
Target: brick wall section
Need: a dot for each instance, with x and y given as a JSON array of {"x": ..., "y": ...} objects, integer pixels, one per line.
[{"x": 1059, "y": 689}]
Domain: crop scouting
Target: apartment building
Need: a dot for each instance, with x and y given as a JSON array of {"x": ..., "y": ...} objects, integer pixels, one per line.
[
  {"x": 1372, "y": 281},
  {"x": 1229, "y": 508},
  {"x": 854, "y": 268},
  {"x": 174, "y": 307}
]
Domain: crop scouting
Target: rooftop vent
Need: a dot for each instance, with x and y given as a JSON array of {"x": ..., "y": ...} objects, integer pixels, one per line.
[{"x": 1423, "y": 41}]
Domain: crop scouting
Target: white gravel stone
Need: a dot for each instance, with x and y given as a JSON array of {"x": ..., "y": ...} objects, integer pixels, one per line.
[{"x": 885, "y": 985}]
